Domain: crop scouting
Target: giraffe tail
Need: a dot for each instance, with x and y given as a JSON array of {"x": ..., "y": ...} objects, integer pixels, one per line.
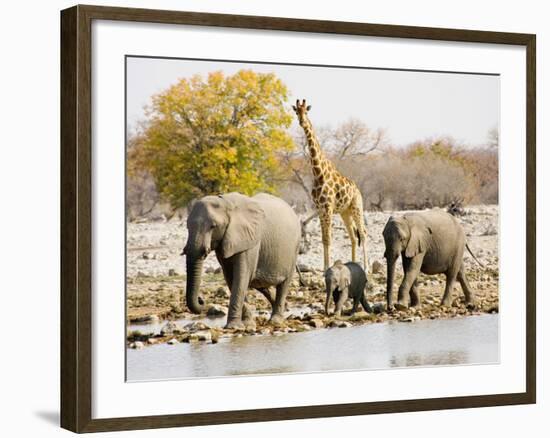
[{"x": 358, "y": 236}]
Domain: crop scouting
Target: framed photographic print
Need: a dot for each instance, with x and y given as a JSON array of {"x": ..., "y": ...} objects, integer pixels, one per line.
[{"x": 252, "y": 204}]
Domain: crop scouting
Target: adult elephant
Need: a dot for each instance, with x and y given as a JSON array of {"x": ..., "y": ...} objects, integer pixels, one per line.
[
  {"x": 256, "y": 241},
  {"x": 431, "y": 242}
]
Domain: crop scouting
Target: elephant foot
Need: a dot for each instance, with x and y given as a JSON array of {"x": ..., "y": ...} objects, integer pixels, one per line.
[
  {"x": 401, "y": 305},
  {"x": 446, "y": 302},
  {"x": 471, "y": 305},
  {"x": 415, "y": 304},
  {"x": 277, "y": 320},
  {"x": 235, "y": 325}
]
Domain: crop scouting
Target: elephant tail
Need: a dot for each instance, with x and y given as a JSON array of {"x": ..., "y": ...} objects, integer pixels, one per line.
[
  {"x": 475, "y": 258},
  {"x": 302, "y": 283}
]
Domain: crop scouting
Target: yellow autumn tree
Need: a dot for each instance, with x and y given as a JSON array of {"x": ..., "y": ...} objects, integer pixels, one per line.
[{"x": 214, "y": 134}]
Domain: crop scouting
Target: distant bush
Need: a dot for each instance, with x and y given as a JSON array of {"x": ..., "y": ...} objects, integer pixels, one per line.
[
  {"x": 424, "y": 175},
  {"x": 429, "y": 174},
  {"x": 174, "y": 158}
]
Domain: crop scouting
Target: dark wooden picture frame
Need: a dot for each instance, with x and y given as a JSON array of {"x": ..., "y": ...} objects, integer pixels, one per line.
[{"x": 76, "y": 218}]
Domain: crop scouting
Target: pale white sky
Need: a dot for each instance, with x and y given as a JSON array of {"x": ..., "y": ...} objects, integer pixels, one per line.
[{"x": 409, "y": 105}]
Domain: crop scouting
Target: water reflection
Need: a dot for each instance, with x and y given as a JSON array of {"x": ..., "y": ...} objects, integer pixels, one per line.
[
  {"x": 423, "y": 343},
  {"x": 436, "y": 358}
]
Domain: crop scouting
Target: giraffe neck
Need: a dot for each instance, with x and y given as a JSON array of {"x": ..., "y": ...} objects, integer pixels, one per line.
[{"x": 316, "y": 155}]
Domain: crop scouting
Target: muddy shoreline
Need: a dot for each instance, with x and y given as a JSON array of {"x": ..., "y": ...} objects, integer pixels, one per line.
[
  {"x": 156, "y": 282},
  {"x": 158, "y": 300}
]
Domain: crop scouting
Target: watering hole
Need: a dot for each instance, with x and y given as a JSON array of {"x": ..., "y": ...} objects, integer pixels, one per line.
[{"x": 455, "y": 341}]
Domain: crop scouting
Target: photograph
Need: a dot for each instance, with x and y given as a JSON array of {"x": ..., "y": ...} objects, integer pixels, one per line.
[{"x": 298, "y": 218}]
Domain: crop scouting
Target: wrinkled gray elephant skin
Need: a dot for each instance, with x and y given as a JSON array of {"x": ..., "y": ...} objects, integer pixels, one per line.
[
  {"x": 344, "y": 281},
  {"x": 256, "y": 242},
  {"x": 431, "y": 242}
]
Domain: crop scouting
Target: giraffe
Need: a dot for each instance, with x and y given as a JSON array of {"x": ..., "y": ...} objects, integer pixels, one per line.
[{"x": 333, "y": 193}]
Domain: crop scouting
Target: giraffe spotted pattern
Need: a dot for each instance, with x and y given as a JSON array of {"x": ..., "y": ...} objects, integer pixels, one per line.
[{"x": 333, "y": 193}]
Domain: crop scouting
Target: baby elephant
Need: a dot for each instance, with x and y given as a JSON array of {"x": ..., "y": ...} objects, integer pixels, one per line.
[
  {"x": 431, "y": 242},
  {"x": 345, "y": 281}
]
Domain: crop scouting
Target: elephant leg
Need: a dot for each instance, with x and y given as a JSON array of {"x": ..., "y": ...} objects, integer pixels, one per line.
[
  {"x": 469, "y": 295},
  {"x": 448, "y": 294},
  {"x": 239, "y": 286},
  {"x": 277, "y": 313},
  {"x": 348, "y": 222},
  {"x": 411, "y": 268},
  {"x": 340, "y": 302},
  {"x": 414, "y": 294},
  {"x": 249, "y": 321},
  {"x": 268, "y": 294},
  {"x": 326, "y": 234},
  {"x": 355, "y": 305}
]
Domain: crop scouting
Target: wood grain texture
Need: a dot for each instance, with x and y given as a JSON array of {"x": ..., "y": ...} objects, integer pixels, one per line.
[
  {"x": 76, "y": 222},
  {"x": 69, "y": 329}
]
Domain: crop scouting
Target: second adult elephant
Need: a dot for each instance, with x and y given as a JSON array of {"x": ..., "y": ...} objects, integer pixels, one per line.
[
  {"x": 256, "y": 242},
  {"x": 431, "y": 242}
]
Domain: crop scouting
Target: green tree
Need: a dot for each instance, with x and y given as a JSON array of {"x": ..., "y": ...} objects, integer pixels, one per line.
[{"x": 214, "y": 134}]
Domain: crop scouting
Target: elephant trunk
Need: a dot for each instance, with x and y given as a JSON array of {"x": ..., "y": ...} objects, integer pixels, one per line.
[
  {"x": 390, "y": 279},
  {"x": 194, "y": 274}
]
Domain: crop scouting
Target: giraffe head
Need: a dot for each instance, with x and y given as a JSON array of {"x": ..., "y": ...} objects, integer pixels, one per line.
[{"x": 301, "y": 109}]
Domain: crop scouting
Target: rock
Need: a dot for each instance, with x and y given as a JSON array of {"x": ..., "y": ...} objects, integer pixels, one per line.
[
  {"x": 172, "y": 272},
  {"x": 378, "y": 308},
  {"x": 216, "y": 310},
  {"x": 218, "y": 270},
  {"x": 215, "y": 336},
  {"x": 302, "y": 267},
  {"x": 491, "y": 230},
  {"x": 196, "y": 326},
  {"x": 137, "y": 345},
  {"x": 146, "y": 256},
  {"x": 169, "y": 328},
  {"x": 152, "y": 341},
  {"x": 339, "y": 324},
  {"x": 204, "y": 335},
  {"x": 222, "y": 292},
  {"x": 316, "y": 323},
  {"x": 410, "y": 319},
  {"x": 377, "y": 267},
  {"x": 173, "y": 341}
]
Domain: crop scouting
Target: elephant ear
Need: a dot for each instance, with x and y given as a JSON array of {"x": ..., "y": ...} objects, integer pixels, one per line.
[
  {"x": 346, "y": 280},
  {"x": 243, "y": 231},
  {"x": 344, "y": 274},
  {"x": 418, "y": 242}
]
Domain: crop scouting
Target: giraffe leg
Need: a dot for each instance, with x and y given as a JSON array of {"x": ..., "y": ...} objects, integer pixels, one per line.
[
  {"x": 348, "y": 222},
  {"x": 361, "y": 230},
  {"x": 326, "y": 232}
]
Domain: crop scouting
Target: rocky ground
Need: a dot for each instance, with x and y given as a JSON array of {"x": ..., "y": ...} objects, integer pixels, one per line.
[{"x": 156, "y": 280}]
